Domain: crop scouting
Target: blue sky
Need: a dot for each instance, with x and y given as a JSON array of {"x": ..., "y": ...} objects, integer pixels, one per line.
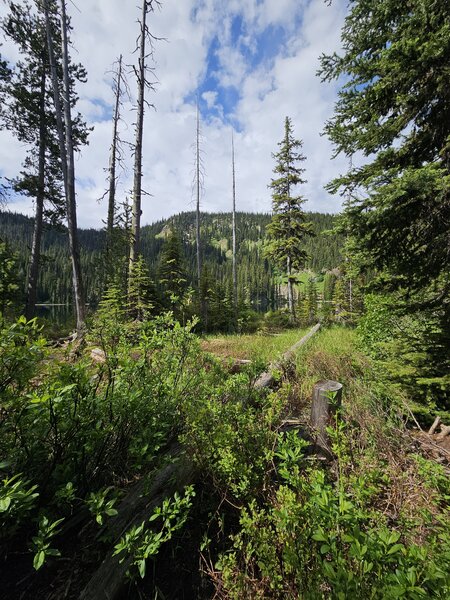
[{"x": 252, "y": 62}]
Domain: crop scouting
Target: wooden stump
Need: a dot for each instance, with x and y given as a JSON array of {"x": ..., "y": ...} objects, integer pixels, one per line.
[{"x": 327, "y": 398}]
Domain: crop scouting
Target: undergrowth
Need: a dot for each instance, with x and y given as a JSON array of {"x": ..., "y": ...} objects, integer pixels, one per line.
[
  {"x": 274, "y": 518},
  {"x": 372, "y": 521}
]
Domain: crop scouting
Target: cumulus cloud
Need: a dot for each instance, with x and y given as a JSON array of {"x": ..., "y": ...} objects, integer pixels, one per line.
[{"x": 258, "y": 82}]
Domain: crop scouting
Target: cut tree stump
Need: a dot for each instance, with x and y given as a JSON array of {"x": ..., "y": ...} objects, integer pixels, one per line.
[{"x": 327, "y": 398}]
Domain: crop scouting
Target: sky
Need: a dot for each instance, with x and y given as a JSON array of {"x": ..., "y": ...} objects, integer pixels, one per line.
[{"x": 250, "y": 62}]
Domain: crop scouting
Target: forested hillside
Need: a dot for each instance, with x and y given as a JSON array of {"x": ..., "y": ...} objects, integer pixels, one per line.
[
  {"x": 243, "y": 406},
  {"x": 256, "y": 277}
]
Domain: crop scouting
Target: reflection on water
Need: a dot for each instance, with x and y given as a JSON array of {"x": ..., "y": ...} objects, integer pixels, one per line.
[{"x": 60, "y": 315}]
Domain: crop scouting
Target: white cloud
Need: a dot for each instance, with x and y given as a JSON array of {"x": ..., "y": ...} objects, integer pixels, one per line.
[{"x": 285, "y": 86}]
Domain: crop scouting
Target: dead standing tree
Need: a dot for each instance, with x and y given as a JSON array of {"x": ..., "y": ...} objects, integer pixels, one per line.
[
  {"x": 144, "y": 46},
  {"x": 198, "y": 188},
  {"x": 235, "y": 287},
  {"x": 120, "y": 87},
  {"x": 65, "y": 139}
]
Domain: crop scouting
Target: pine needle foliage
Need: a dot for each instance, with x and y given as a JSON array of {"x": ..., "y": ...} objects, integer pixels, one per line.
[{"x": 288, "y": 228}]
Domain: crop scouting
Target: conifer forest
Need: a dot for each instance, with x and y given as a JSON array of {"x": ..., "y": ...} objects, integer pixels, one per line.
[{"x": 228, "y": 379}]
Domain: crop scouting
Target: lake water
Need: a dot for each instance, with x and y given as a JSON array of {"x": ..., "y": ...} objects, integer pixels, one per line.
[{"x": 60, "y": 315}]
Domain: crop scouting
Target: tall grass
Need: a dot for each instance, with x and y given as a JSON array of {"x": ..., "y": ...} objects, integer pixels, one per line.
[{"x": 257, "y": 347}]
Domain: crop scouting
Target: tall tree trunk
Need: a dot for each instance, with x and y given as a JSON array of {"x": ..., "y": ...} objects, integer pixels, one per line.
[
  {"x": 112, "y": 167},
  {"x": 70, "y": 192},
  {"x": 290, "y": 290},
  {"x": 137, "y": 183},
  {"x": 67, "y": 159},
  {"x": 235, "y": 289},
  {"x": 33, "y": 274},
  {"x": 197, "y": 178}
]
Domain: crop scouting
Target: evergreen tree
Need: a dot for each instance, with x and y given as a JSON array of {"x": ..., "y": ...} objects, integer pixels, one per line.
[
  {"x": 61, "y": 81},
  {"x": 311, "y": 293},
  {"x": 288, "y": 228},
  {"x": 29, "y": 114},
  {"x": 141, "y": 293},
  {"x": 394, "y": 108},
  {"x": 9, "y": 280},
  {"x": 172, "y": 275}
]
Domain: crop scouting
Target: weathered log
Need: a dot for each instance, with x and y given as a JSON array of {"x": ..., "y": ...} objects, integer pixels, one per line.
[
  {"x": 108, "y": 580},
  {"x": 327, "y": 398},
  {"x": 238, "y": 364},
  {"x": 445, "y": 431},
  {"x": 435, "y": 425},
  {"x": 267, "y": 378}
]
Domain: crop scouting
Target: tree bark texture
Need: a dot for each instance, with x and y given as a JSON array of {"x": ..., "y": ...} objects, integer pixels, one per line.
[
  {"x": 197, "y": 182},
  {"x": 137, "y": 183},
  {"x": 327, "y": 398},
  {"x": 235, "y": 288},
  {"x": 64, "y": 127},
  {"x": 35, "y": 257},
  {"x": 112, "y": 165}
]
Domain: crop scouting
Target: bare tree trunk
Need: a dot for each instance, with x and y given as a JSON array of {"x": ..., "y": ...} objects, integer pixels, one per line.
[
  {"x": 235, "y": 289},
  {"x": 197, "y": 237},
  {"x": 290, "y": 290},
  {"x": 137, "y": 183},
  {"x": 38, "y": 216},
  {"x": 67, "y": 157},
  {"x": 112, "y": 165},
  {"x": 70, "y": 192}
]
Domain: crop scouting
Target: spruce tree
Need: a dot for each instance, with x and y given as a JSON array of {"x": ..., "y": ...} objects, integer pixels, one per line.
[
  {"x": 394, "y": 108},
  {"x": 288, "y": 228},
  {"x": 172, "y": 275},
  {"x": 28, "y": 113}
]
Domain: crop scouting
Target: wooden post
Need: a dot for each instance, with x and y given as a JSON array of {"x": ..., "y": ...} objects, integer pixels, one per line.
[{"x": 327, "y": 398}]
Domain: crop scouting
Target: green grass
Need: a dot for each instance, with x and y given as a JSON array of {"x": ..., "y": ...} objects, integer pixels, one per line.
[
  {"x": 253, "y": 347},
  {"x": 305, "y": 276}
]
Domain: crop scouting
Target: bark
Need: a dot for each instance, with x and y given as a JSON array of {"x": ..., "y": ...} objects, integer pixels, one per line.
[
  {"x": 112, "y": 165},
  {"x": 64, "y": 127},
  {"x": 235, "y": 291},
  {"x": 327, "y": 398},
  {"x": 108, "y": 581},
  {"x": 435, "y": 425},
  {"x": 267, "y": 379},
  {"x": 70, "y": 191},
  {"x": 137, "y": 183},
  {"x": 290, "y": 290},
  {"x": 197, "y": 181},
  {"x": 38, "y": 216}
]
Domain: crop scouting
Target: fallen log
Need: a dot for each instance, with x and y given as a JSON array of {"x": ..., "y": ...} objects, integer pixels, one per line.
[
  {"x": 435, "y": 425},
  {"x": 445, "y": 431},
  {"x": 267, "y": 378},
  {"x": 108, "y": 580}
]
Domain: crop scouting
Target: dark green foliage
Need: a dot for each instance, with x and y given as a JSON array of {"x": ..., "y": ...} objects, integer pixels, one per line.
[
  {"x": 10, "y": 294},
  {"x": 27, "y": 103},
  {"x": 395, "y": 109},
  {"x": 141, "y": 293},
  {"x": 171, "y": 275},
  {"x": 287, "y": 228},
  {"x": 256, "y": 283}
]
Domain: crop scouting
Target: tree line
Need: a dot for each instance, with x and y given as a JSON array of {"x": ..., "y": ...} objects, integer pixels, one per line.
[{"x": 169, "y": 246}]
